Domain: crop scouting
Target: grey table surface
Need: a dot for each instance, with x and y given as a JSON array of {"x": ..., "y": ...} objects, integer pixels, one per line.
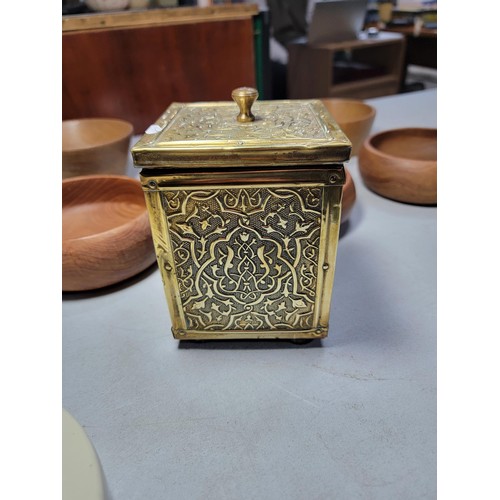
[{"x": 352, "y": 416}]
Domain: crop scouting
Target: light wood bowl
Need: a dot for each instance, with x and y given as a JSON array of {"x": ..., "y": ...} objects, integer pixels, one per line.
[
  {"x": 95, "y": 146},
  {"x": 106, "y": 236},
  {"x": 401, "y": 164},
  {"x": 354, "y": 117},
  {"x": 348, "y": 196}
]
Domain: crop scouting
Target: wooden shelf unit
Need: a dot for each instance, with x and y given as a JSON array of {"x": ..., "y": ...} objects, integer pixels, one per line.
[{"x": 311, "y": 70}]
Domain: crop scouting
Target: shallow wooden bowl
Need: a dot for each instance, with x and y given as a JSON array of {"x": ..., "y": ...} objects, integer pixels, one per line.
[
  {"x": 348, "y": 196},
  {"x": 354, "y": 117},
  {"x": 95, "y": 146},
  {"x": 106, "y": 236},
  {"x": 401, "y": 164}
]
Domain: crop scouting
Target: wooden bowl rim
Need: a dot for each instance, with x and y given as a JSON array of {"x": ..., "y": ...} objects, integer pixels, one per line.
[
  {"x": 128, "y": 132},
  {"x": 371, "y": 110},
  {"x": 368, "y": 144},
  {"x": 114, "y": 231}
]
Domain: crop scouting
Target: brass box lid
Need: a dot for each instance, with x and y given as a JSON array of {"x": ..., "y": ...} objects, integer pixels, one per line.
[{"x": 271, "y": 133}]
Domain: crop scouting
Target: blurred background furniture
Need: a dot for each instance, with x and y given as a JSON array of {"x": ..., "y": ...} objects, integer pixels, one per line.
[
  {"x": 417, "y": 22},
  {"x": 133, "y": 64},
  {"x": 363, "y": 68},
  {"x": 421, "y": 44}
]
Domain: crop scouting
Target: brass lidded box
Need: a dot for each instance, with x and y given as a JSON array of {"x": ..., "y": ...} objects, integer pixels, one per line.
[{"x": 244, "y": 204}]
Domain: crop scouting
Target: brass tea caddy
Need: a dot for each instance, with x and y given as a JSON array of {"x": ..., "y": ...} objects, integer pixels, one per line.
[{"x": 245, "y": 213}]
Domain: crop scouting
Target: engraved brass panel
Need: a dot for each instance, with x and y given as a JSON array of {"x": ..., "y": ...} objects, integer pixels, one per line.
[{"x": 249, "y": 260}]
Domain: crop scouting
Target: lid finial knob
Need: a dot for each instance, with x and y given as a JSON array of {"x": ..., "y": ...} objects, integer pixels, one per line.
[{"x": 245, "y": 97}]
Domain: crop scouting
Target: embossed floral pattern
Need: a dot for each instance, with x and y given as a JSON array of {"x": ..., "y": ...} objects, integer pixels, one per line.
[
  {"x": 217, "y": 123},
  {"x": 246, "y": 258}
]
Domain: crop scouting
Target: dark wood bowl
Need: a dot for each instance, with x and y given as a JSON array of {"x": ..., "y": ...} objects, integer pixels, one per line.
[
  {"x": 401, "y": 164},
  {"x": 106, "y": 236}
]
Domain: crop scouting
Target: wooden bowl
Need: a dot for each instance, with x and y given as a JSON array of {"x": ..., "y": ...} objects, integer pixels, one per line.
[
  {"x": 106, "y": 236},
  {"x": 348, "y": 196},
  {"x": 401, "y": 164},
  {"x": 354, "y": 117},
  {"x": 95, "y": 146}
]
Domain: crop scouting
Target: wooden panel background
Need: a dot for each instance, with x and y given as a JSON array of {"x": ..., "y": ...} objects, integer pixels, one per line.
[{"x": 135, "y": 73}]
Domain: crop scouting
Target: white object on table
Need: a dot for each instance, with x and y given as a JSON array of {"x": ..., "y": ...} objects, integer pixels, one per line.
[{"x": 82, "y": 477}]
